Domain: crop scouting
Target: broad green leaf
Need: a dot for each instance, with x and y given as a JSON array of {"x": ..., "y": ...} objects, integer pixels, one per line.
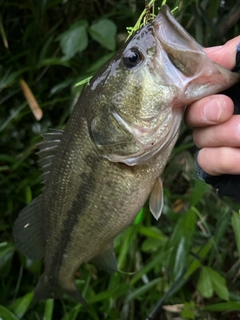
[
  {"x": 156, "y": 238},
  {"x": 6, "y": 314},
  {"x": 104, "y": 31},
  {"x": 236, "y": 229},
  {"x": 218, "y": 283},
  {"x": 151, "y": 245},
  {"x": 152, "y": 232},
  {"x": 188, "y": 310},
  {"x": 74, "y": 40},
  {"x": 204, "y": 284},
  {"x": 20, "y": 306}
]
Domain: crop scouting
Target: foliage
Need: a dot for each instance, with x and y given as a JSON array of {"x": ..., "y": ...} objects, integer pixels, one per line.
[{"x": 190, "y": 257}]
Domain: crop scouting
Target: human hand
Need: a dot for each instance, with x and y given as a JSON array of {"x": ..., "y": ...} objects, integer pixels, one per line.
[{"x": 215, "y": 129}]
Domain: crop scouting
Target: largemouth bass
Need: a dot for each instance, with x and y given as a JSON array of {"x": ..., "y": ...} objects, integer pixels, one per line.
[{"x": 101, "y": 169}]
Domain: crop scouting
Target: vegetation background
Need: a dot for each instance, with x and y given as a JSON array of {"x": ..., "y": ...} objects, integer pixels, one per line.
[{"x": 190, "y": 258}]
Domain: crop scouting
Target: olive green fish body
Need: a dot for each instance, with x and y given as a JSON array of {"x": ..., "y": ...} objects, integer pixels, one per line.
[
  {"x": 88, "y": 200},
  {"x": 99, "y": 172}
]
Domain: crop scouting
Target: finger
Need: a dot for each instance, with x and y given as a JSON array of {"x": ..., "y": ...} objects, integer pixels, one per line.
[
  {"x": 209, "y": 110},
  {"x": 225, "y": 134},
  {"x": 216, "y": 161},
  {"x": 226, "y": 54}
]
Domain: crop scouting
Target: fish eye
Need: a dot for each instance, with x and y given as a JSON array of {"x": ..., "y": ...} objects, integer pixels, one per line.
[{"x": 132, "y": 58}]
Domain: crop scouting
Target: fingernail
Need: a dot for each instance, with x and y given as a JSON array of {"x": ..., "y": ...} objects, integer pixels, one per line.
[{"x": 212, "y": 111}]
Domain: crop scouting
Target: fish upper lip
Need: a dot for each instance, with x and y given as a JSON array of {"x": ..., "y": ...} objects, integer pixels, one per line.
[{"x": 169, "y": 27}]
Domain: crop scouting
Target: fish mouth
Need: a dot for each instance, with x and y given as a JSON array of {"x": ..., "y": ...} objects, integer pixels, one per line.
[
  {"x": 182, "y": 62},
  {"x": 178, "y": 56},
  {"x": 171, "y": 33}
]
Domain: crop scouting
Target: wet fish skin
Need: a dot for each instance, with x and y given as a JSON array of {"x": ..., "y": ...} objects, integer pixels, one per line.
[{"x": 99, "y": 172}]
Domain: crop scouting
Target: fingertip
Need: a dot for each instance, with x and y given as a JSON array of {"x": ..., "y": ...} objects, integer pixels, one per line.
[
  {"x": 210, "y": 110},
  {"x": 217, "y": 109}
]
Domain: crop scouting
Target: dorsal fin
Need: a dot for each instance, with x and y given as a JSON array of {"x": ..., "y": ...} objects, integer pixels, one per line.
[{"x": 51, "y": 141}]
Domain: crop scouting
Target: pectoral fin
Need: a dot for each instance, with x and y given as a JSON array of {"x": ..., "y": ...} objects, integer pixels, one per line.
[
  {"x": 106, "y": 260},
  {"x": 156, "y": 199}
]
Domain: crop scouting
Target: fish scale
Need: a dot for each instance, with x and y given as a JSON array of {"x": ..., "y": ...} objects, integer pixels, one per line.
[{"x": 100, "y": 170}]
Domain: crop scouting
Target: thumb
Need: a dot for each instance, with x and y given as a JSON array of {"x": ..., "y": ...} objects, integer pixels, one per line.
[{"x": 226, "y": 54}]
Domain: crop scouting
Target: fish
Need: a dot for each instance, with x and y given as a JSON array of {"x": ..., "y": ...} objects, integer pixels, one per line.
[{"x": 100, "y": 170}]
